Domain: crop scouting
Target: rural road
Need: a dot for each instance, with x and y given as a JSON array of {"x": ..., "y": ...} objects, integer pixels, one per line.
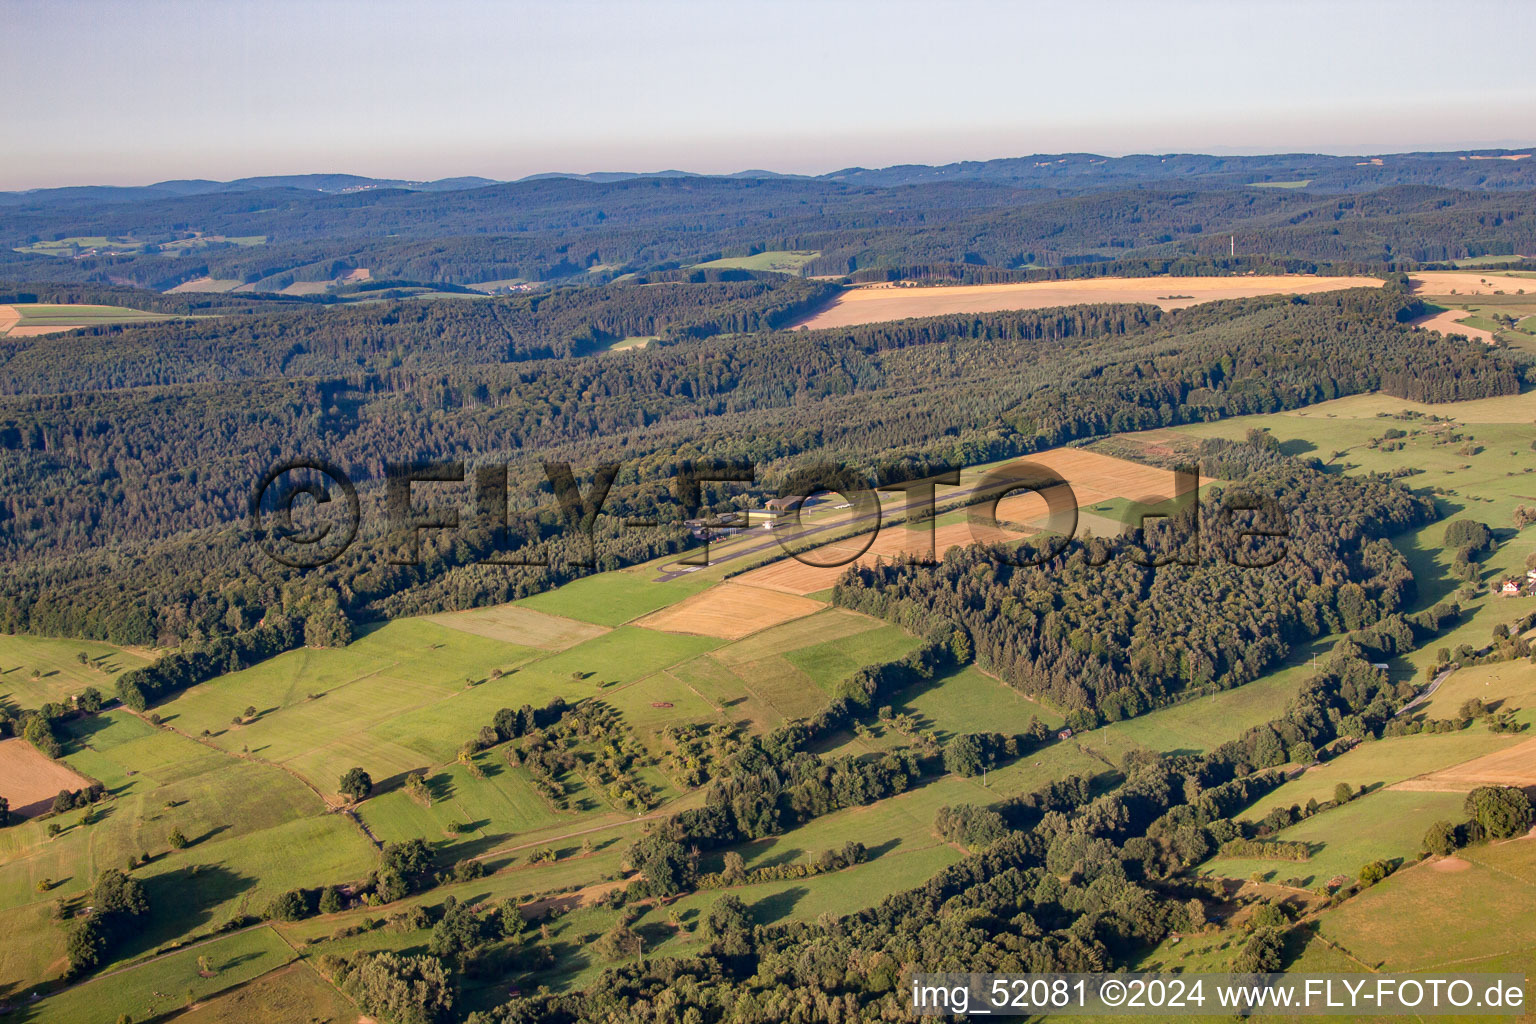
[
  {"x": 941, "y": 504},
  {"x": 1428, "y": 693}
]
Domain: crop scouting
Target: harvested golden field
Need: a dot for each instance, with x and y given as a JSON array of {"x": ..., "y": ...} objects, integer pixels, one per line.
[
  {"x": 205, "y": 284},
  {"x": 1513, "y": 767},
  {"x": 1093, "y": 476},
  {"x": 888, "y": 302},
  {"x": 29, "y": 780},
  {"x": 1468, "y": 282},
  {"x": 526, "y": 627},
  {"x": 9, "y": 317},
  {"x": 1446, "y": 323},
  {"x": 729, "y": 611}
]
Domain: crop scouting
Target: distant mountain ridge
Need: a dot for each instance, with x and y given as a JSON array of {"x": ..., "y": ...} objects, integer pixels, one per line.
[{"x": 1475, "y": 169}]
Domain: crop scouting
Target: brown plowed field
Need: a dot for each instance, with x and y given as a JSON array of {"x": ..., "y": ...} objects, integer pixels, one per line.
[
  {"x": 730, "y": 611},
  {"x": 30, "y": 780}
]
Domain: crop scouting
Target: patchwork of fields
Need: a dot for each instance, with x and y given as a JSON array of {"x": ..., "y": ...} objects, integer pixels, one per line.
[
  {"x": 247, "y": 765},
  {"x": 30, "y": 319}
]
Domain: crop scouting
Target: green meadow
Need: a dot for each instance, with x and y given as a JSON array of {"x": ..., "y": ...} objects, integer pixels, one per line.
[
  {"x": 169, "y": 984},
  {"x": 1377, "y": 764},
  {"x": 613, "y": 598},
  {"x": 1479, "y": 916},
  {"x": 35, "y": 670},
  {"x": 253, "y": 831},
  {"x": 254, "y": 791},
  {"x": 1487, "y": 473},
  {"x": 406, "y": 696},
  {"x": 1387, "y": 825},
  {"x": 1204, "y": 723},
  {"x": 783, "y": 261},
  {"x": 296, "y": 992}
]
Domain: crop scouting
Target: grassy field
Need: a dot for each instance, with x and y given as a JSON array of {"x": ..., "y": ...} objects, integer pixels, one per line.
[
  {"x": 633, "y": 342},
  {"x": 1303, "y": 183},
  {"x": 1386, "y": 825},
  {"x": 493, "y": 809},
  {"x": 170, "y": 983},
  {"x": 293, "y": 993},
  {"x": 1478, "y": 261},
  {"x": 971, "y": 701},
  {"x": 613, "y": 598},
  {"x": 391, "y": 717},
  {"x": 1503, "y": 685},
  {"x": 1517, "y": 302},
  {"x": 35, "y": 669},
  {"x": 1376, "y": 764},
  {"x": 1428, "y": 917},
  {"x": 43, "y": 318},
  {"x": 67, "y": 248},
  {"x": 783, "y": 261},
  {"x": 254, "y": 831},
  {"x": 790, "y": 670},
  {"x": 405, "y": 696},
  {"x": 1207, "y": 722},
  {"x": 1485, "y": 475}
]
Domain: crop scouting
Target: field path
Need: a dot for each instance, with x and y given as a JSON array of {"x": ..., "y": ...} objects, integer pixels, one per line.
[{"x": 10, "y": 316}]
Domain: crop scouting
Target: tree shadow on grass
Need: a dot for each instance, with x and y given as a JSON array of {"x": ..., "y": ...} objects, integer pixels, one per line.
[
  {"x": 81, "y": 731},
  {"x": 397, "y": 780},
  {"x": 779, "y": 905},
  {"x": 450, "y": 853},
  {"x": 236, "y": 961},
  {"x": 208, "y": 835},
  {"x": 654, "y": 933},
  {"x": 1297, "y": 446},
  {"x": 181, "y": 901},
  {"x": 440, "y": 787}
]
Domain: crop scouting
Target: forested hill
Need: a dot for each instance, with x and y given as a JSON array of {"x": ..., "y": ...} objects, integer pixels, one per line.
[
  {"x": 1479, "y": 169},
  {"x": 118, "y": 508},
  {"x": 309, "y": 340},
  {"x": 574, "y": 230}
]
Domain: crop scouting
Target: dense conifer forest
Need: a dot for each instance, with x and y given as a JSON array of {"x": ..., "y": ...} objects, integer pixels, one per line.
[{"x": 121, "y": 504}]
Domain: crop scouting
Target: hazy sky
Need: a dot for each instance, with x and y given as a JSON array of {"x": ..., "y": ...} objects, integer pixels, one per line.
[{"x": 133, "y": 91}]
